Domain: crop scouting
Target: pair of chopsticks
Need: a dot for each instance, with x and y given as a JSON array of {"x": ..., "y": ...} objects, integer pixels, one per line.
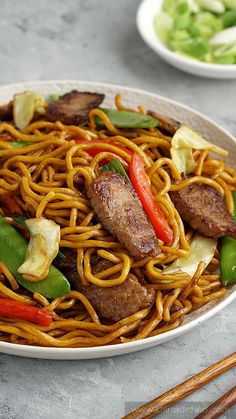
[{"x": 161, "y": 403}]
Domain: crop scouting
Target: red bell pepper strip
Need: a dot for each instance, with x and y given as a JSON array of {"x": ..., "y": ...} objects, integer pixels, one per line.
[
  {"x": 6, "y": 138},
  {"x": 15, "y": 310},
  {"x": 140, "y": 183},
  {"x": 93, "y": 151}
]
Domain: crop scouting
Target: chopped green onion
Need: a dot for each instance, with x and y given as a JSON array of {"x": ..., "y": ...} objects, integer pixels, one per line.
[
  {"x": 190, "y": 27},
  {"x": 229, "y": 18},
  {"x": 115, "y": 166},
  {"x": 230, "y": 4},
  {"x": 215, "y": 6}
]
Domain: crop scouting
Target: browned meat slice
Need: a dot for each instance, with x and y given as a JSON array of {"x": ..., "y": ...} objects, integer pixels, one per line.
[
  {"x": 119, "y": 210},
  {"x": 204, "y": 209},
  {"x": 166, "y": 124},
  {"x": 113, "y": 303},
  {"x": 118, "y": 302},
  {"x": 6, "y": 111},
  {"x": 73, "y": 107}
]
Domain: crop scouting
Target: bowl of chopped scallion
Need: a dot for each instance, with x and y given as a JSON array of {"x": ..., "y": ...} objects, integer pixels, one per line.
[{"x": 197, "y": 36}]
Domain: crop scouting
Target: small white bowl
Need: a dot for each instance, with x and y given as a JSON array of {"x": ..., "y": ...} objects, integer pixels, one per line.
[{"x": 146, "y": 14}]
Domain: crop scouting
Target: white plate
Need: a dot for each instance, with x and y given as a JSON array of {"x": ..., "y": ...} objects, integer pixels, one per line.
[
  {"x": 146, "y": 14},
  {"x": 132, "y": 98}
]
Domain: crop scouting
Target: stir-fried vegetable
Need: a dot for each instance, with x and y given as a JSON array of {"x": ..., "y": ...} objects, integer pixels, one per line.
[
  {"x": 19, "y": 221},
  {"x": 228, "y": 256},
  {"x": 188, "y": 27},
  {"x": 42, "y": 249},
  {"x": 25, "y": 105},
  {"x": 54, "y": 96},
  {"x": 19, "y": 144},
  {"x": 13, "y": 248},
  {"x": 141, "y": 184},
  {"x": 13, "y": 143},
  {"x": 125, "y": 119},
  {"x": 202, "y": 249},
  {"x": 15, "y": 310},
  {"x": 115, "y": 166},
  {"x": 184, "y": 141}
]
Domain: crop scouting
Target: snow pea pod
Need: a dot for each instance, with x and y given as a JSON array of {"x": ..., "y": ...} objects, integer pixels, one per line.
[
  {"x": 228, "y": 256},
  {"x": 115, "y": 166},
  {"x": 125, "y": 119},
  {"x": 13, "y": 248}
]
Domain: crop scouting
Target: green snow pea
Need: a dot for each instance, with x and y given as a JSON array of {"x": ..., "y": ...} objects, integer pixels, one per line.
[
  {"x": 228, "y": 256},
  {"x": 12, "y": 253},
  {"x": 125, "y": 119},
  {"x": 115, "y": 166}
]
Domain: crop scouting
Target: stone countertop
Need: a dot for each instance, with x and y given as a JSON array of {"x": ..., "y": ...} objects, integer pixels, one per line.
[{"x": 98, "y": 41}]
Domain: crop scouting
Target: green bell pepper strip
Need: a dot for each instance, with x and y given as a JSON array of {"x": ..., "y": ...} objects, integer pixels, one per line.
[
  {"x": 13, "y": 248},
  {"x": 228, "y": 256},
  {"x": 125, "y": 119}
]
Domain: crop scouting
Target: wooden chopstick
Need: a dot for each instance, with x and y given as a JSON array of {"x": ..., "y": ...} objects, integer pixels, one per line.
[
  {"x": 161, "y": 403},
  {"x": 220, "y": 406}
]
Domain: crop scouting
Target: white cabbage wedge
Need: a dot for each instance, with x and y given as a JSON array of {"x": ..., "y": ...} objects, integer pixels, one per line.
[{"x": 42, "y": 248}]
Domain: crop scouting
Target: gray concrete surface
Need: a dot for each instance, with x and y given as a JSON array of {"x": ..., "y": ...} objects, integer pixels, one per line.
[{"x": 98, "y": 40}]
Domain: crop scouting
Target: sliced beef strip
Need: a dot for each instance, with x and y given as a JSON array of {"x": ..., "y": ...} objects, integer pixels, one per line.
[
  {"x": 6, "y": 111},
  {"x": 113, "y": 303},
  {"x": 167, "y": 124},
  {"x": 73, "y": 107},
  {"x": 204, "y": 209},
  {"x": 119, "y": 210}
]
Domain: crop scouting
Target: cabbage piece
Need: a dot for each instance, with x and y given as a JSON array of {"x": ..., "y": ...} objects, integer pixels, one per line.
[
  {"x": 42, "y": 248},
  {"x": 201, "y": 249},
  {"x": 25, "y": 104},
  {"x": 184, "y": 141}
]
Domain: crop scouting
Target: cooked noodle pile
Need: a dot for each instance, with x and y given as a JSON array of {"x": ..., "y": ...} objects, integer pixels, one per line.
[{"x": 49, "y": 178}]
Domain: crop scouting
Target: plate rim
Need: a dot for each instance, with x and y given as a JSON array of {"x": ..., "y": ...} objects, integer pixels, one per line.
[{"x": 121, "y": 348}]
